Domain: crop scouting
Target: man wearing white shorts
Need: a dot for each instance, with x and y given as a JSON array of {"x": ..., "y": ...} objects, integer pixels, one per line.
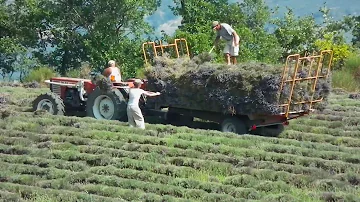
[
  {"x": 226, "y": 32},
  {"x": 135, "y": 117}
]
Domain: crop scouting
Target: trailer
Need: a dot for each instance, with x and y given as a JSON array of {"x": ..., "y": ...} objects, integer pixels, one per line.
[
  {"x": 318, "y": 67},
  {"x": 74, "y": 95}
]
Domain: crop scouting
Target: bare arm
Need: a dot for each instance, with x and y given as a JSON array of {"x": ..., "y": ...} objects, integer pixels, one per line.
[
  {"x": 236, "y": 36},
  {"x": 151, "y": 94}
]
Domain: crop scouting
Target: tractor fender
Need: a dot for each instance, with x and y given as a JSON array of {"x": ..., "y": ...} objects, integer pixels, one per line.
[{"x": 124, "y": 92}]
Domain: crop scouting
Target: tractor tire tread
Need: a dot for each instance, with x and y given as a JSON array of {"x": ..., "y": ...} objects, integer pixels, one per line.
[
  {"x": 54, "y": 98},
  {"x": 116, "y": 96}
]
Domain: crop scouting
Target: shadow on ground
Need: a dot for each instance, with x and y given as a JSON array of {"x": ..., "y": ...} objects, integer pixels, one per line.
[{"x": 195, "y": 124}]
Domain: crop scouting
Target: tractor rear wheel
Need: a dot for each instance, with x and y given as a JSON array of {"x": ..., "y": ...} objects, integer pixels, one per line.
[
  {"x": 50, "y": 102},
  {"x": 234, "y": 125},
  {"x": 106, "y": 105}
]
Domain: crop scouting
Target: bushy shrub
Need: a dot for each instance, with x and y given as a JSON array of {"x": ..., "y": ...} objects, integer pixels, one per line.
[
  {"x": 344, "y": 79},
  {"x": 352, "y": 63},
  {"x": 40, "y": 74},
  {"x": 33, "y": 84},
  {"x": 341, "y": 50},
  {"x": 348, "y": 77},
  {"x": 83, "y": 72}
]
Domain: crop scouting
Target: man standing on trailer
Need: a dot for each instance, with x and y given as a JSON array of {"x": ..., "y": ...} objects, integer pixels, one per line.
[
  {"x": 226, "y": 32},
  {"x": 135, "y": 117}
]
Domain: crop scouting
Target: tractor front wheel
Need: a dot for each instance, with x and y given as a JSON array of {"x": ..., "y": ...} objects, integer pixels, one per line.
[
  {"x": 234, "y": 125},
  {"x": 50, "y": 102},
  {"x": 106, "y": 105}
]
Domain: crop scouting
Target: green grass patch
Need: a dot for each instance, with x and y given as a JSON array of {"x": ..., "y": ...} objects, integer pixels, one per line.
[
  {"x": 47, "y": 158},
  {"x": 345, "y": 79}
]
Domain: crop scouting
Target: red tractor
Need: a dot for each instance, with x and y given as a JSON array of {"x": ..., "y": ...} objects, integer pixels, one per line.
[
  {"x": 82, "y": 96},
  {"x": 74, "y": 95}
]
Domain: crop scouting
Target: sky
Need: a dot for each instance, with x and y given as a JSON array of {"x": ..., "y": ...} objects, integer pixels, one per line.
[{"x": 163, "y": 19}]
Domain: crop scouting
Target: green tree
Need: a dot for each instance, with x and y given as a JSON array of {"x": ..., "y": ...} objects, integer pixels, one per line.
[
  {"x": 10, "y": 44},
  {"x": 356, "y": 31},
  {"x": 304, "y": 35},
  {"x": 247, "y": 18},
  {"x": 295, "y": 35},
  {"x": 8, "y": 54},
  {"x": 67, "y": 33}
]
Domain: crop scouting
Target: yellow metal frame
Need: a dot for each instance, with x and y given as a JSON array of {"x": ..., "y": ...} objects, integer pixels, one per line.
[
  {"x": 300, "y": 64},
  {"x": 155, "y": 46}
]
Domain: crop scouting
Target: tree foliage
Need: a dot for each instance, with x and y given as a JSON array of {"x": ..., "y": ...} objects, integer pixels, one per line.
[
  {"x": 340, "y": 50},
  {"x": 247, "y": 18},
  {"x": 356, "y": 31},
  {"x": 295, "y": 35},
  {"x": 10, "y": 41},
  {"x": 65, "y": 34}
]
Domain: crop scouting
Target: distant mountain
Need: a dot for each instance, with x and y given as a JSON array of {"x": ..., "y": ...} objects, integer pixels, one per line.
[{"x": 163, "y": 19}]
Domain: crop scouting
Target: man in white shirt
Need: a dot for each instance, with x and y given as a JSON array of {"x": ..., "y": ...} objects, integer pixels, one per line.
[
  {"x": 135, "y": 117},
  {"x": 112, "y": 72},
  {"x": 226, "y": 32}
]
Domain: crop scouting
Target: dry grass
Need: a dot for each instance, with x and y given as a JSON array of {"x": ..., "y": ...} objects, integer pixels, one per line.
[{"x": 246, "y": 87}]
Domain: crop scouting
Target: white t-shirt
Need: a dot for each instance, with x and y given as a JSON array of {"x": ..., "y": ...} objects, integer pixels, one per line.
[
  {"x": 226, "y": 32},
  {"x": 134, "y": 96},
  {"x": 116, "y": 73}
]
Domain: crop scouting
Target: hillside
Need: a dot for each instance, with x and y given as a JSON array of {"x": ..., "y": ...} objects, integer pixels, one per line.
[{"x": 48, "y": 158}]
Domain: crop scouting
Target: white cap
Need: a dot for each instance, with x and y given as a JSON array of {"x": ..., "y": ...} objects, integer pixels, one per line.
[
  {"x": 111, "y": 62},
  {"x": 138, "y": 81},
  {"x": 214, "y": 23}
]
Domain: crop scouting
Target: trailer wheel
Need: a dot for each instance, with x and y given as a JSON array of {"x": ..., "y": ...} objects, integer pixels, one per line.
[
  {"x": 50, "y": 102},
  {"x": 234, "y": 125},
  {"x": 106, "y": 105}
]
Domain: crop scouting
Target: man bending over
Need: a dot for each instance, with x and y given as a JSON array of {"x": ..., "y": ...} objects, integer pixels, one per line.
[{"x": 226, "y": 32}]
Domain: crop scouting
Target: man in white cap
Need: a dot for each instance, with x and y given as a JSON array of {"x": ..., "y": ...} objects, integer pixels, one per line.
[
  {"x": 226, "y": 32},
  {"x": 135, "y": 117},
  {"x": 112, "y": 72}
]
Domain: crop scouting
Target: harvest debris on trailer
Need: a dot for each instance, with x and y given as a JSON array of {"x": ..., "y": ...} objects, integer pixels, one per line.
[{"x": 245, "y": 97}]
